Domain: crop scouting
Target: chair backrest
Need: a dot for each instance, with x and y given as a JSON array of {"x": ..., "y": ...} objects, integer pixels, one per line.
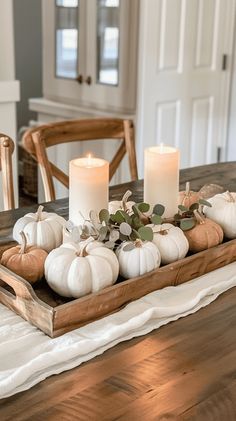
[
  {"x": 6, "y": 151},
  {"x": 36, "y": 140}
]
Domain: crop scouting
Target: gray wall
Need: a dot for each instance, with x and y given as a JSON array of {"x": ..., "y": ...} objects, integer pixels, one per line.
[{"x": 28, "y": 54}]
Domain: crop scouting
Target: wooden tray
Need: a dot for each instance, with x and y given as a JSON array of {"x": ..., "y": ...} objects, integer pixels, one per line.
[{"x": 56, "y": 315}]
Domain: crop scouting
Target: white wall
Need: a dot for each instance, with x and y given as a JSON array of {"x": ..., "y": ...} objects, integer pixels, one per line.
[{"x": 7, "y": 66}]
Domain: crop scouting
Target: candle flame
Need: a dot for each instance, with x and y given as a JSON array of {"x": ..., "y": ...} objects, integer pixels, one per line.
[{"x": 89, "y": 160}]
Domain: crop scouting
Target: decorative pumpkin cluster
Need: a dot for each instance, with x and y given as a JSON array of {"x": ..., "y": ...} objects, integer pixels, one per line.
[{"x": 129, "y": 239}]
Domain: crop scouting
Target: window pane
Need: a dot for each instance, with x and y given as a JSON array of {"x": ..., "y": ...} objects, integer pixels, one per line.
[
  {"x": 67, "y": 38},
  {"x": 110, "y": 3},
  {"x": 108, "y": 16},
  {"x": 66, "y": 53},
  {"x": 67, "y": 3}
]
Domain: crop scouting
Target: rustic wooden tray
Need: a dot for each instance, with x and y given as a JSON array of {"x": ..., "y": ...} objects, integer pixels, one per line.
[{"x": 56, "y": 315}]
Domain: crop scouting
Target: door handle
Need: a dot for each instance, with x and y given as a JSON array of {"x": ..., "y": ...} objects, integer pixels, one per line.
[
  {"x": 89, "y": 80},
  {"x": 80, "y": 79}
]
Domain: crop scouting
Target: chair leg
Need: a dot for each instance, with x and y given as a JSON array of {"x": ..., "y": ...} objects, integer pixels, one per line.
[{"x": 130, "y": 147}]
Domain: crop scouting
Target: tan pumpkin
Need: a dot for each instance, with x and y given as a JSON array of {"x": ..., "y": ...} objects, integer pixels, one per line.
[
  {"x": 188, "y": 197},
  {"x": 204, "y": 235},
  {"x": 25, "y": 261}
]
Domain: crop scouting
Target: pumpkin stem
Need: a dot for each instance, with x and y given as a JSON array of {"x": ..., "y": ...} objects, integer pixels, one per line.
[
  {"x": 187, "y": 188},
  {"x": 198, "y": 217},
  {"x": 125, "y": 199},
  {"x": 230, "y": 196},
  {"x": 24, "y": 243},
  {"x": 163, "y": 231},
  {"x": 138, "y": 243},
  {"x": 39, "y": 213},
  {"x": 83, "y": 252}
]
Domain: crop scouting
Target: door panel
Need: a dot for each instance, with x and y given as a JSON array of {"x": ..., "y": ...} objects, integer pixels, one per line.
[
  {"x": 207, "y": 32},
  {"x": 170, "y": 40},
  {"x": 201, "y": 136},
  {"x": 167, "y": 122}
]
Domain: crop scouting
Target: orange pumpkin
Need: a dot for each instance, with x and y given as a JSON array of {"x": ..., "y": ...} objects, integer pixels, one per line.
[
  {"x": 188, "y": 197},
  {"x": 204, "y": 235},
  {"x": 25, "y": 261}
]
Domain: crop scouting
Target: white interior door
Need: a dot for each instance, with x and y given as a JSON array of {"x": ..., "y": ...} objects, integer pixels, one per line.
[{"x": 183, "y": 91}]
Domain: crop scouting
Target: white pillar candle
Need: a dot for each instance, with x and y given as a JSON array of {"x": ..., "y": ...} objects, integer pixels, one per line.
[
  {"x": 161, "y": 177},
  {"x": 88, "y": 187}
]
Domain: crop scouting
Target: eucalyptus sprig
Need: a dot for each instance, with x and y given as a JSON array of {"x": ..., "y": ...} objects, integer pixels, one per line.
[
  {"x": 132, "y": 226},
  {"x": 185, "y": 218},
  {"x": 125, "y": 224},
  {"x": 157, "y": 214},
  {"x": 129, "y": 227}
]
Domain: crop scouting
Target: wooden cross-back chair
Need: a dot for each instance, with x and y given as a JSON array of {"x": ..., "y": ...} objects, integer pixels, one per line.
[
  {"x": 6, "y": 151},
  {"x": 38, "y": 139}
]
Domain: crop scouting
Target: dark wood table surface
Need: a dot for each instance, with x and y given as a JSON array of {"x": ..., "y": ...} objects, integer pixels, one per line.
[{"x": 185, "y": 370}]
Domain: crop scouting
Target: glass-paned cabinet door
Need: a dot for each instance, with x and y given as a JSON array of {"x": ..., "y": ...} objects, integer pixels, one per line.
[
  {"x": 89, "y": 52},
  {"x": 108, "y": 35},
  {"x": 66, "y": 36},
  {"x": 64, "y": 29},
  {"x": 112, "y": 60}
]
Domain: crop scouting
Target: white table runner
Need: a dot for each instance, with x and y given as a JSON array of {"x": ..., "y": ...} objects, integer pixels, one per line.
[{"x": 28, "y": 356}]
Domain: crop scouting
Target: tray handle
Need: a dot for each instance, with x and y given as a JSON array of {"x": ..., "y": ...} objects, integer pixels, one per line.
[{"x": 21, "y": 287}]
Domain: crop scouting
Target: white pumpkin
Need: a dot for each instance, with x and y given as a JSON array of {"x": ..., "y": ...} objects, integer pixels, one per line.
[
  {"x": 141, "y": 258},
  {"x": 223, "y": 212},
  {"x": 74, "y": 270},
  {"x": 42, "y": 229},
  {"x": 171, "y": 242},
  {"x": 122, "y": 204}
]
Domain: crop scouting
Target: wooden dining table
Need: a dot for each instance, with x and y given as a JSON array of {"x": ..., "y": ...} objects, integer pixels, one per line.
[{"x": 185, "y": 370}]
